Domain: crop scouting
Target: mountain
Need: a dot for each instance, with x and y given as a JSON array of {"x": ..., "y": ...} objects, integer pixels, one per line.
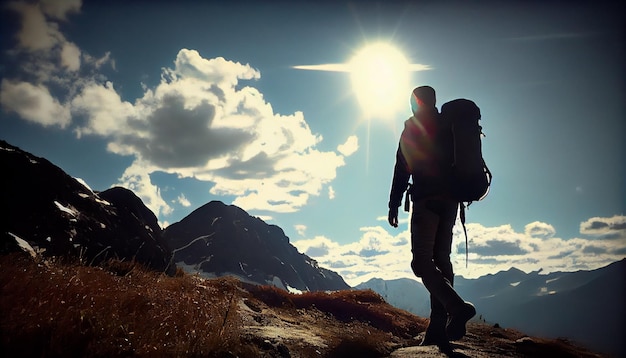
[
  {"x": 53, "y": 214},
  {"x": 218, "y": 239},
  {"x": 404, "y": 293},
  {"x": 50, "y": 211},
  {"x": 584, "y": 306}
]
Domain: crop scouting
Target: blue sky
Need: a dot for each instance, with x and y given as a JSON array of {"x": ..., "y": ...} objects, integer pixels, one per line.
[{"x": 190, "y": 102}]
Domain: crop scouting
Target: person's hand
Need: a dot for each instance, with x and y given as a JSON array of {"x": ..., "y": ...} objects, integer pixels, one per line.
[{"x": 393, "y": 217}]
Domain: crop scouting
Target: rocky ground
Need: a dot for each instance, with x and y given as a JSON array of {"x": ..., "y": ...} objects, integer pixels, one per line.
[
  {"x": 54, "y": 308},
  {"x": 307, "y": 333}
]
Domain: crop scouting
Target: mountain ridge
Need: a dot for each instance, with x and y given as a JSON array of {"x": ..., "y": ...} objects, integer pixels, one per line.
[{"x": 56, "y": 215}]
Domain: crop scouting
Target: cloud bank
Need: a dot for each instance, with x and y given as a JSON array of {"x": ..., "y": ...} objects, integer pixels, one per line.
[
  {"x": 204, "y": 120},
  {"x": 381, "y": 254}
]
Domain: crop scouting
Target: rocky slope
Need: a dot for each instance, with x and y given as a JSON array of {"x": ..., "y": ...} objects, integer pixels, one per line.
[{"x": 58, "y": 216}]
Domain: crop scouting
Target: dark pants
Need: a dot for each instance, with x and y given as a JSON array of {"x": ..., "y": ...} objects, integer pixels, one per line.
[{"x": 431, "y": 243}]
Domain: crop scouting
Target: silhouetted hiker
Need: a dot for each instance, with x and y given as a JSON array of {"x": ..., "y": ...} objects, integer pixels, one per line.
[{"x": 421, "y": 156}]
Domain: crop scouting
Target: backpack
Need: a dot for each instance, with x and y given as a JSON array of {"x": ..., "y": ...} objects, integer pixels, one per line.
[{"x": 470, "y": 178}]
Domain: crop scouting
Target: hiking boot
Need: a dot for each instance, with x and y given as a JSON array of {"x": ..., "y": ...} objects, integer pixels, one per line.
[
  {"x": 437, "y": 339},
  {"x": 456, "y": 325},
  {"x": 434, "y": 338},
  {"x": 435, "y": 334}
]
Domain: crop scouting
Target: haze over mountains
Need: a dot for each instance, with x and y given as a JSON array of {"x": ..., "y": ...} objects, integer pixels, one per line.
[{"x": 52, "y": 213}]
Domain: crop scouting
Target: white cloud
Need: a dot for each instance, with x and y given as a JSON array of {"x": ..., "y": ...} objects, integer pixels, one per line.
[
  {"x": 331, "y": 193},
  {"x": 610, "y": 228},
  {"x": 70, "y": 56},
  {"x": 491, "y": 249},
  {"x": 36, "y": 32},
  {"x": 300, "y": 229},
  {"x": 137, "y": 178},
  {"x": 376, "y": 254},
  {"x": 59, "y": 9},
  {"x": 182, "y": 200},
  {"x": 200, "y": 121},
  {"x": 98, "y": 62},
  {"x": 106, "y": 114},
  {"x": 540, "y": 230},
  {"x": 33, "y": 103},
  {"x": 44, "y": 54},
  {"x": 316, "y": 247},
  {"x": 41, "y": 40},
  {"x": 350, "y": 146}
]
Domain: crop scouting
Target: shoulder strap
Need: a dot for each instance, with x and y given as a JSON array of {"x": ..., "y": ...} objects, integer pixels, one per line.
[
  {"x": 407, "y": 198},
  {"x": 462, "y": 215}
]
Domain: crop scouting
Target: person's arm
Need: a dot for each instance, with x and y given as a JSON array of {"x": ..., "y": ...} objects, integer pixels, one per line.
[{"x": 398, "y": 187}]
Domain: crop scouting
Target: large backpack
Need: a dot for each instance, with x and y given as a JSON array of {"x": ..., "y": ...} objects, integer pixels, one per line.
[{"x": 470, "y": 178}]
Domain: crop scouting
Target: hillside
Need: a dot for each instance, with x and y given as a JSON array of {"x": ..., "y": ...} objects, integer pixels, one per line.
[
  {"x": 49, "y": 308},
  {"x": 585, "y": 306}
]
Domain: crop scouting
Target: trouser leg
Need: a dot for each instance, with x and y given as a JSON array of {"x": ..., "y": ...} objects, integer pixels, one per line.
[
  {"x": 441, "y": 254},
  {"x": 426, "y": 235}
]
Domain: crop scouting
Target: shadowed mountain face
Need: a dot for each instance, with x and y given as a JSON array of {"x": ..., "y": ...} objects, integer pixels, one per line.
[
  {"x": 56, "y": 214},
  {"x": 217, "y": 239}
]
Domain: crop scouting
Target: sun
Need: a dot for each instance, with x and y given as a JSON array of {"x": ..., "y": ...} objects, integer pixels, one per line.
[
  {"x": 380, "y": 76},
  {"x": 381, "y": 79}
]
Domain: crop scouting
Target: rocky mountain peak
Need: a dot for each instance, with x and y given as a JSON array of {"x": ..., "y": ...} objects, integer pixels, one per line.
[{"x": 218, "y": 239}]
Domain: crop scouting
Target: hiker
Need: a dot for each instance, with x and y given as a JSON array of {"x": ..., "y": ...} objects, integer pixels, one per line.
[{"x": 422, "y": 155}]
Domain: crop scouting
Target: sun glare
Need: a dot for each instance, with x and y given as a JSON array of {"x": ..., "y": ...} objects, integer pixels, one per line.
[{"x": 380, "y": 80}]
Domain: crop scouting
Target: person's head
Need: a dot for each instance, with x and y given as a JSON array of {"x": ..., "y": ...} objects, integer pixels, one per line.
[{"x": 423, "y": 97}]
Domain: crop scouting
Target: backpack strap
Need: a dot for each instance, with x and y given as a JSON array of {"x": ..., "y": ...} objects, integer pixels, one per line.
[
  {"x": 462, "y": 215},
  {"x": 407, "y": 198}
]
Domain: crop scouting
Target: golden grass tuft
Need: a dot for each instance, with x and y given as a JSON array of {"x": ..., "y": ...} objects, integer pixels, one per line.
[{"x": 73, "y": 310}]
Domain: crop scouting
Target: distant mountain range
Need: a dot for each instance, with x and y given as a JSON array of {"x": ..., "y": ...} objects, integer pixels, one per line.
[
  {"x": 585, "y": 306},
  {"x": 49, "y": 212}
]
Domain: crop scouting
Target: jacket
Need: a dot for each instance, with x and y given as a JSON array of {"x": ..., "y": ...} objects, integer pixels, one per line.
[{"x": 421, "y": 157}]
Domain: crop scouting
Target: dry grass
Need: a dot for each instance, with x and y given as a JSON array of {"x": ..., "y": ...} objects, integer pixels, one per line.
[
  {"x": 53, "y": 308},
  {"x": 348, "y": 306}
]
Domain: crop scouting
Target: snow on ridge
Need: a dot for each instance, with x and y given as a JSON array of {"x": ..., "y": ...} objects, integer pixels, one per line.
[
  {"x": 552, "y": 280},
  {"x": 84, "y": 183},
  {"x": 93, "y": 193},
  {"x": 64, "y": 208},
  {"x": 24, "y": 245},
  {"x": 293, "y": 290}
]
